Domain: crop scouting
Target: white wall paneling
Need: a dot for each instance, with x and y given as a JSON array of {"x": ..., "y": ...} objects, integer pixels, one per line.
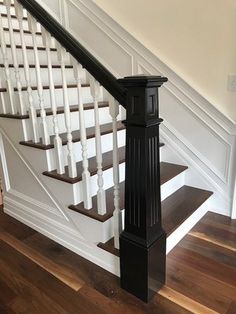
[{"x": 206, "y": 136}]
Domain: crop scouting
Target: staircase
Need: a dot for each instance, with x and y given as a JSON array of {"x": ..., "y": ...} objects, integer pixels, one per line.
[{"x": 64, "y": 121}]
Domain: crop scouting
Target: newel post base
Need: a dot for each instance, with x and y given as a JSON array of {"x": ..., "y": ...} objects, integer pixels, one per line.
[{"x": 143, "y": 241}]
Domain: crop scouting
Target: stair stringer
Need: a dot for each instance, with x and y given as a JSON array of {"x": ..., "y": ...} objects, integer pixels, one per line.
[{"x": 39, "y": 210}]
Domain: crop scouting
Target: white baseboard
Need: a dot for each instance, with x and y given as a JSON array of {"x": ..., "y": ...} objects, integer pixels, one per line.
[{"x": 64, "y": 235}]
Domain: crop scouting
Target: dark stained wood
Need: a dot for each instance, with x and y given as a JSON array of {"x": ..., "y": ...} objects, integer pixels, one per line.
[
  {"x": 109, "y": 247},
  {"x": 105, "y": 129},
  {"x": 15, "y": 30},
  {"x": 31, "y": 47},
  {"x": 27, "y": 288},
  {"x": 208, "y": 249},
  {"x": 13, "y": 16},
  {"x": 107, "y": 164},
  {"x": 232, "y": 308},
  {"x": 24, "y": 88},
  {"x": 216, "y": 234},
  {"x": 93, "y": 213},
  {"x": 226, "y": 274},
  {"x": 42, "y": 66},
  {"x": 197, "y": 286},
  {"x": 180, "y": 205},
  {"x": 60, "y": 110},
  {"x": 175, "y": 209},
  {"x": 18, "y": 230},
  {"x": 167, "y": 172}
]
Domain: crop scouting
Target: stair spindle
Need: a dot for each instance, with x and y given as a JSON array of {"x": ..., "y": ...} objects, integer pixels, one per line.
[
  {"x": 22, "y": 108},
  {"x": 71, "y": 157},
  {"x": 2, "y": 99},
  {"x": 10, "y": 90},
  {"x": 117, "y": 216},
  {"x": 33, "y": 28},
  {"x": 83, "y": 136},
  {"x": 32, "y": 111},
  {"x": 47, "y": 41},
  {"x": 101, "y": 195}
]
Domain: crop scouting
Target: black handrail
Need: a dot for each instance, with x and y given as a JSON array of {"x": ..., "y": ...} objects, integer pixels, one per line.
[{"x": 81, "y": 54}]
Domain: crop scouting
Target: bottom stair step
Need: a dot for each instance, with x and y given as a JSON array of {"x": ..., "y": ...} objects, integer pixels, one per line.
[{"x": 176, "y": 208}]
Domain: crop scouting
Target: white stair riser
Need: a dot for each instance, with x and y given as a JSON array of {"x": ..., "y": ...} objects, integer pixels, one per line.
[
  {"x": 30, "y": 53},
  {"x": 15, "y": 23},
  {"x": 104, "y": 232},
  {"x": 105, "y": 118},
  {"x": 72, "y": 92},
  {"x": 44, "y": 76},
  {"x": 106, "y": 147},
  {"x": 3, "y": 10},
  {"x": 68, "y": 194},
  {"x": 28, "y": 39},
  {"x": 72, "y": 95}
]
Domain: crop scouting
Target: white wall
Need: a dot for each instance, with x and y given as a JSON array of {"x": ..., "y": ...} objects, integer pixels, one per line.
[{"x": 196, "y": 39}]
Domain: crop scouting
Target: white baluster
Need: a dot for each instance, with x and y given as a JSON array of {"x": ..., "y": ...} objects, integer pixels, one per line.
[
  {"x": 101, "y": 195},
  {"x": 117, "y": 217},
  {"x": 71, "y": 158},
  {"x": 22, "y": 108},
  {"x": 2, "y": 99},
  {"x": 32, "y": 111},
  {"x": 47, "y": 40},
  {"x": 33, "y": 28},
  {"x": 78, "y": 72},
  {"x": 10, "y": 90}
]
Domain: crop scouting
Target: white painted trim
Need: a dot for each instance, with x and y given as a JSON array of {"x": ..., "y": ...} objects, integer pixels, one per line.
[
  {"x": 185, "y": 227},
  {"x": 233, "y": 215},
  {"x": 64, "y": 235},
  {"x": 57, "y": 206},
  {"x": 118, "y": 34},
  {"x": 215, "y": 123},
  {"x": 4, "y": 165}
]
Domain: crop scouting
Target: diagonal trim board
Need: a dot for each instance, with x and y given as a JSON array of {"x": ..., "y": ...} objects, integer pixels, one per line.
[
  {"x": 215, "y": 162},
  {"x": 28, "y": 211}
]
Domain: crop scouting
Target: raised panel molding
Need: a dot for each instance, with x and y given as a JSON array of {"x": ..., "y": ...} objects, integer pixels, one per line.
[
  {"x": 218, "y": 168},
  {"x": 90, "y": 34}
]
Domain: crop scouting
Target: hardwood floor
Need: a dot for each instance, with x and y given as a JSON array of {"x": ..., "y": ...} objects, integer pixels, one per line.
[{"x": 38, "y": 275}]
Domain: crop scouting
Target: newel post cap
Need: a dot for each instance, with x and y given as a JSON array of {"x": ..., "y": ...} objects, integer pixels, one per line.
[
  {"x": 143, "y": 81},
  {"x": 142, "y": 99}
]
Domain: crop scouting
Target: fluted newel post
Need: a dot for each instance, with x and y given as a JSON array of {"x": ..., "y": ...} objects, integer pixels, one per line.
[{"x": 143, "y": 241}]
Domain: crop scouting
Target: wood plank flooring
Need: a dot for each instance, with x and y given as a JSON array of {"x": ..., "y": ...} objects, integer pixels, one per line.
[{"x": 38, "y": 275}]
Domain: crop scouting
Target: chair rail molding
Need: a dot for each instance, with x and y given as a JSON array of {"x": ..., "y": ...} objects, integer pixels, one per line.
[{"x": 181, "y": 105}]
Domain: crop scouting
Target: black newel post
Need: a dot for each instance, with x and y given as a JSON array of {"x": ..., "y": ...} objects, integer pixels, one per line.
[{"x": 143, "y": 241}]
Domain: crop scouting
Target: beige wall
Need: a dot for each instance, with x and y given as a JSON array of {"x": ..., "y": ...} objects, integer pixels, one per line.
[{"x": 196, "y": 38}]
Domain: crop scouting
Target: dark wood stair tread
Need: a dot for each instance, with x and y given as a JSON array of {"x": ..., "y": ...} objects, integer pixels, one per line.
[
  {"x": 109, "y": 247},
  {"x": 92, "y": 213},
  {"x": 170, "y": 170},
  {"x": 42, "y": 66},
  {"x": 181, "y": 205},
  {"x": 60, "y": 110},
  {"x": 175, "y": 210},
  {"x": 31, "y": 47},
  {"x": 24, "y": 88},
  {"x": 12, "y": 16},
  {"x": 107, "y": 164},
  {"x": 16, "y": 30},
  {"x": 167, "y": 171},
  {"x": 105, "y": 129}
]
